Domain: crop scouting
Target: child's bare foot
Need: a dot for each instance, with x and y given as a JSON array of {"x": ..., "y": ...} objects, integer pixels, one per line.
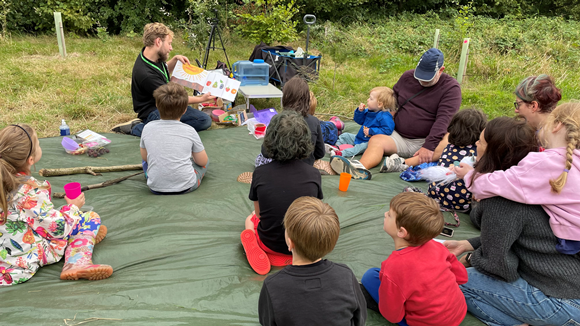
[
  {"x": 101, "y": 234},
  {"x": 89, "y": 272}
]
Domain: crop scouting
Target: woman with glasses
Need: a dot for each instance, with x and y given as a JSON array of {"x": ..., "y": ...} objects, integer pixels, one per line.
[{"x": 536, "y": 97}]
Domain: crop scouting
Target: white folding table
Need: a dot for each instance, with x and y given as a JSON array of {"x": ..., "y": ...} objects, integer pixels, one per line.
[{"x": 269, "y": 91}]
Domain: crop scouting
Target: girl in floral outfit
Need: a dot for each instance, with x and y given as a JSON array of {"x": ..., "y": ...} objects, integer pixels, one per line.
[{"x": 32, "y": 232}]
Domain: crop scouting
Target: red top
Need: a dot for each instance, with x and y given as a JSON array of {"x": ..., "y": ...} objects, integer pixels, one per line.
[{"x": 421, "y": 285}]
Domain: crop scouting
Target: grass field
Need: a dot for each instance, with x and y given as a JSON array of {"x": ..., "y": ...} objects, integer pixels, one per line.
[{"x": 91, "y": 87}]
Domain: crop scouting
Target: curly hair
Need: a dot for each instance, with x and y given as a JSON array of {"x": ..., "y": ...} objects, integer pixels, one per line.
[
  {"x": 296, "y": 96},
  {"x": 288, "y": 137},
  {"x": 152, "y": 31},
  {"x": 466, "y": 126},
  {"x": 386, "y": 97},
  {"x": 540, "y": 89}
]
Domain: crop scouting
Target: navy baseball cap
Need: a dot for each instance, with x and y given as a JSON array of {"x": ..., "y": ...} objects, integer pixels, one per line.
[{"x": 430, "y": 63}]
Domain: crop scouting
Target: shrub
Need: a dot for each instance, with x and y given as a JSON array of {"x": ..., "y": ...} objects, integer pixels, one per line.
[{"x": 268, "y": 21}]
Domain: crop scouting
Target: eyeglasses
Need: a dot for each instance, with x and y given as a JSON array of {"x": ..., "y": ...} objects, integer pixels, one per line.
[{"x": 517, "y": 104}]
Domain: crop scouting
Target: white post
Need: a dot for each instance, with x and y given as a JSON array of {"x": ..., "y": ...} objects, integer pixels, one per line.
[
  {"x": 436, "y": 43},
  {"x": 59, "y": 33},
  {"x": 463, "y": 61}
]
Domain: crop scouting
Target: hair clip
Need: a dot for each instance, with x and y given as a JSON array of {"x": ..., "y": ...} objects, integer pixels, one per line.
[{"x": 566, "y": 170}]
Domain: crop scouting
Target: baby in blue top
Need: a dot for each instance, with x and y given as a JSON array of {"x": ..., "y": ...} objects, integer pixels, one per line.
[{"x": 376, "y": 119}]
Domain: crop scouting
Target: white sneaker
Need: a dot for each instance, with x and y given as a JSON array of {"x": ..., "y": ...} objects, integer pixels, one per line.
[
  {"x": 329, "y": 149},
  {"x": 340, "y": 164},
  {"x": 393, "y": 163}
]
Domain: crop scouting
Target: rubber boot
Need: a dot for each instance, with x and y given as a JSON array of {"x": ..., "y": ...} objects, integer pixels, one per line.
[
  {"x": 78, "y": 262},
  {"x": 101, "y": 234}
]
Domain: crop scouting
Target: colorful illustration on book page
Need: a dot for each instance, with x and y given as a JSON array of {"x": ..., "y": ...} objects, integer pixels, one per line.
[
  {"x": 213, "y": 82},
  {"x": 189, "y": 76},
  {"x": 231, "y": 90}
]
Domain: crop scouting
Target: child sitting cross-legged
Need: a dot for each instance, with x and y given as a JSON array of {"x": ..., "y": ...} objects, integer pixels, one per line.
[
  {"x": 275, "y": 186},
  {"x": 419, "y": 283},
  {"x": 375, "y": 119},
  {"x": 32, "y": 232},
  {"x": 174, "y": 158},
  {"x": 313, "y": 291}
]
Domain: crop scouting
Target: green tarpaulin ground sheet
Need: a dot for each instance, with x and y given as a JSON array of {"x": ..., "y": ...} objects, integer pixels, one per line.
[{"x": 178, "y": 260}]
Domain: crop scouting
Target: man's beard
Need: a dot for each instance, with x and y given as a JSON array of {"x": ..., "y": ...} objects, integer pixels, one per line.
[{"x": 163, "y": 56}]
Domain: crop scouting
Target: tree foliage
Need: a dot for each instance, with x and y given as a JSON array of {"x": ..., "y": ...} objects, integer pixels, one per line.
[{"x": 273, "y": 20}]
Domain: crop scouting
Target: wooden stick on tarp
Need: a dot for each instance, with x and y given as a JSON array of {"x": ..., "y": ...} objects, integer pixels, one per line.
[
  {"x": 99, "y": 185},
  {"x": 94, "y": 170}
]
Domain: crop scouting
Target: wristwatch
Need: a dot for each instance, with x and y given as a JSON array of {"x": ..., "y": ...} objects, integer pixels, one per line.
[{"x": 468, "y": 258}]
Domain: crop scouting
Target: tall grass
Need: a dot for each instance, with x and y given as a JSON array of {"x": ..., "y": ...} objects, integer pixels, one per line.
[{"x": 91, "y": 87}]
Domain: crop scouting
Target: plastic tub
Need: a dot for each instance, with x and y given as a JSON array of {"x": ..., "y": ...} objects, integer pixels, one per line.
[{"x": 249, "y": 73}]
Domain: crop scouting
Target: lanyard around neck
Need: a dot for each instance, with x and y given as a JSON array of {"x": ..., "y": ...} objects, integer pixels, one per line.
[{"x": 163, "y": 72}]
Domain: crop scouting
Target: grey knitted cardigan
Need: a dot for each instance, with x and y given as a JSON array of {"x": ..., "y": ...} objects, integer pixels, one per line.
[{"x": 517, "y": 241}]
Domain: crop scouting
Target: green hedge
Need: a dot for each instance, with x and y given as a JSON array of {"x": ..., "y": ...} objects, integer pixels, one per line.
[{"x": 123, "y": 16}]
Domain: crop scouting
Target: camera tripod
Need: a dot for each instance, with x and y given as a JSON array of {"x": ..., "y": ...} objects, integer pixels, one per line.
[{"x": 211, "y": 41}]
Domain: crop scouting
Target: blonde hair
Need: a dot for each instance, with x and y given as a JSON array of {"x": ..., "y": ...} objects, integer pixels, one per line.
[
  {"x": 313, "y": 226},
  {"x": 386, "y": 97},
  {"x": 568, "y": 114},
  {"x": 419, "y": 215},
  {"x": 152, "y": 31},
  {"x": 313, "y": 103},
  {"x": 17, "y": 144}
]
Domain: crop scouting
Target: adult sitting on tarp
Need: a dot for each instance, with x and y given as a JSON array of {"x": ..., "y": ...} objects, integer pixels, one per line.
[
  {"x": 515, "y": 273},
  {"x": 427, "y": 100},
  {"x": 151, "y": 71}
]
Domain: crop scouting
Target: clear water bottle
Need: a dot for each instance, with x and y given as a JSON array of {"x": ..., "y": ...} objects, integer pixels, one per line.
[{"x": 64, "y": 129}]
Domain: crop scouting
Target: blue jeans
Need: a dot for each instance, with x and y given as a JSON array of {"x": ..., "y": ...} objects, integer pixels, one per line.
[
  {"x": 372, "y": 282},
  {"x": 498, "y": 303},
  {"x": 195, "y": 118},
  {"x": 348, "y": 138}
]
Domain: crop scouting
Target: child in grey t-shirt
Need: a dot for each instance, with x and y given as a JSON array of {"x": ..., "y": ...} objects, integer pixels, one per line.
[{"x": 174, "y": 158}]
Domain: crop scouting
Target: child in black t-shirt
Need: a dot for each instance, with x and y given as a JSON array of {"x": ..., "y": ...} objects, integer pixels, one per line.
[
  {"x": 275, "y": 186},
  {"x": 313, "y": 291}
]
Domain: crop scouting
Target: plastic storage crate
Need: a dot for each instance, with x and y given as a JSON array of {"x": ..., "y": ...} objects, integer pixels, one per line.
[{"x": 252, "y": 73}]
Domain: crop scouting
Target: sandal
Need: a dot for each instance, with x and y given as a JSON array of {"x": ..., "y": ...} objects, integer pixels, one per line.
[
  {"x": 324, "y": 167},
  {"x": 245, "y": 177}
]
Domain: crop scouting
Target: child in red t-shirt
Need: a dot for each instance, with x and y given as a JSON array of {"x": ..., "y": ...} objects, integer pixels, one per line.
[{"x": 419, "y": 283}]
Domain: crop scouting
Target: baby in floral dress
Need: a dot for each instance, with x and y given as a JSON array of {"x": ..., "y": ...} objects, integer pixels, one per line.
[
  {"x": 463, "y": 132},
  {"x": 32, "y": 232}
]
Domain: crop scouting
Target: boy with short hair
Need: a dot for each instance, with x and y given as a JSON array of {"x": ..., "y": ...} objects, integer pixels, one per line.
[
  {"x": 312, "y": 291},
  {"x": 419, "y": 283},
  {"x": 174, "y": 158}
]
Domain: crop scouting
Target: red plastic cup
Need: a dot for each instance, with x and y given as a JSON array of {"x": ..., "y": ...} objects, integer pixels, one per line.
[
  {"x": 260, "y": 129},
  {"x": 72, "y": 190},
  {"x": 344, "y": 181}
]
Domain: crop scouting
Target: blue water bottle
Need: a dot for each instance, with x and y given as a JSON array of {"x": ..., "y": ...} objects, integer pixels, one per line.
[{"x": 64, "y": 129}]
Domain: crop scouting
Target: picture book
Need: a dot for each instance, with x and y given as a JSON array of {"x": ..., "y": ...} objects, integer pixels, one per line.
[{"x": 204, "y": 81}]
